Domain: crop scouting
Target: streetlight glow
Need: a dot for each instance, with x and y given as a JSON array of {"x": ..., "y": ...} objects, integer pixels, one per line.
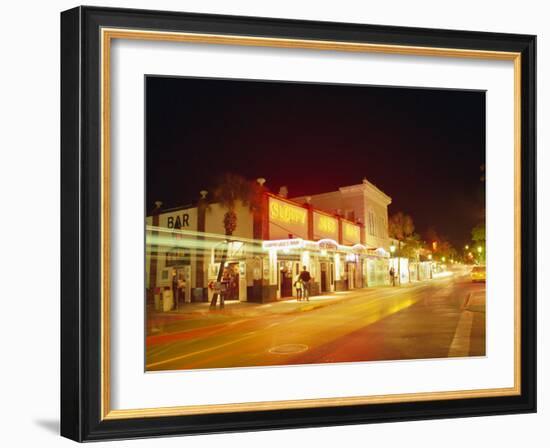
[
  {"x": 479, "y": 249},
  {"x": 392, "y": 248}
]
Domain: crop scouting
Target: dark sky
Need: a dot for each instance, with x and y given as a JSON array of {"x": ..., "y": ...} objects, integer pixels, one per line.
[{"x": 422, "y": 147}]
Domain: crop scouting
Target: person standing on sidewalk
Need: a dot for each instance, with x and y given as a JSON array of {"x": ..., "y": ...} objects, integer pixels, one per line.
[
  {"x": 392, "y": 276},
  {"x": 175, "y": 292},
  {"x": 305, "y": 278},
  {"x": 299, "y": 287},
  {"x": 225, "y": 285},
  {"x": 181, "y": 291}
]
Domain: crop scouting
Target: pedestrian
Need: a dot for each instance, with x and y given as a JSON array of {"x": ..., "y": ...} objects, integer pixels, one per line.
[
  {"x": 299, "y": 287},
  {"x": 181, "y": 290},
  {"x": 392, "y": 276},
  {"x": 175, "y": 290},
  {"x": 305, "y": 278},
  {"x": 225, "y": 287}
]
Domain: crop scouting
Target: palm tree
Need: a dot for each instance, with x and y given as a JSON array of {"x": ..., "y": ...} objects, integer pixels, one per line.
[{"x": 232, "y": 190}]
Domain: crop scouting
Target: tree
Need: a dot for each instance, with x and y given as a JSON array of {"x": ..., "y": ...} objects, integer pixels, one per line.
[
  {"x": 432, "y": 238},
  {"x": 478, "y": 238},
  {"x": 439, "y": 245},
  {"x": 231, "y": 191},
  {"x": 411, "y": 247},
  {"x": 400, "y": 226}
]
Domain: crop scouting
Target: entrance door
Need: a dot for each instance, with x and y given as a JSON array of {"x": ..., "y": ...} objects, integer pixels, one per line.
[
  {"x": 233, "y": 289},
  {"x": 184, "y": 273},
  {"x": 351, "y": 276},
  {"x": 242, "y": 281},
  {"x": 331, "y": 273},
  {"x": 286, "y": 280},
  {"x": 324, "y": 278}
]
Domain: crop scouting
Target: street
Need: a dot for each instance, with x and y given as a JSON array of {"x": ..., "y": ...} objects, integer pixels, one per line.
[{"x": 443, "y": 317}]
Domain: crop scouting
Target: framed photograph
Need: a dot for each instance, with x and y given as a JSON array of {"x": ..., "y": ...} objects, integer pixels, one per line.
[{"x": 277, "y": 224}]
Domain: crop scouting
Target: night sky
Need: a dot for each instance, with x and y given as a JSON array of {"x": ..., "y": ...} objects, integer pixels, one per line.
[{"x": 422, "y": 147}]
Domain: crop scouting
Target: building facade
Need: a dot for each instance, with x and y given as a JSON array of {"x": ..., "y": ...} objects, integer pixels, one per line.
[
  {"x": 363, "y": 203},
  {"x": 268, "y": 248}
]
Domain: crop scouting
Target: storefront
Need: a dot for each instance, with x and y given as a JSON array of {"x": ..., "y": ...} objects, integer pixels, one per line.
[
  {"x": 235, "y": 258},
  {"x": 376, "y": 271},
  {"x": 263, "y": 256},
  {"x": 286, "y": 260},
  {"x": 401, "y": 269}
]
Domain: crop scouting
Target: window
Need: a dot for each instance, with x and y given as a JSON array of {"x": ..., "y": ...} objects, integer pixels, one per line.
[{"x": 371, "y": 223}]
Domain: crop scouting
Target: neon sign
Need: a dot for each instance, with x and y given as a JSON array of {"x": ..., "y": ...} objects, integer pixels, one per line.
[
  {"x": 326, "y": 224},
  {"x": 286, "y": 213},
  {"x": 283, "y": 244},
  {"x": 351, "y": 232},
  {"x": 327, "y": 244}
]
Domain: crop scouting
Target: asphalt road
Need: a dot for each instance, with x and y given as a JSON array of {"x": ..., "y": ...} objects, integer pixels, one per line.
[{"x": 436, "y": 319}]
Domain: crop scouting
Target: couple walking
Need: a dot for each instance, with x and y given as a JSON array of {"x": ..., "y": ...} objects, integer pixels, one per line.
[{"x": 302, "y": 284}]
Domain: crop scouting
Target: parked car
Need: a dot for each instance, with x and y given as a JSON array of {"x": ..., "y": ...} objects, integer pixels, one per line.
[{"x": 478, "y": 274}]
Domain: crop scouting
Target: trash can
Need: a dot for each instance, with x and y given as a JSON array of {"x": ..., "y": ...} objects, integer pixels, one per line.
[{"x": 167, "y": 300}]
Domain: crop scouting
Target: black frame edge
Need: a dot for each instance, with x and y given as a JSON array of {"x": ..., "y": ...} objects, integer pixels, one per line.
[
  {"x": 529, "y": 223},
  {"x": 71, "y": 382}
]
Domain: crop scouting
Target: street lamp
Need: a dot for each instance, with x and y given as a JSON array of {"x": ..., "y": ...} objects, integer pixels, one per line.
[
  {"x": 479, "y": 249},
  {"x": 466, "y": 247},
  {"x": 443, "y": 259},
  {"x": 429, "y": 256},
  {"x": 392, "y": 249}
]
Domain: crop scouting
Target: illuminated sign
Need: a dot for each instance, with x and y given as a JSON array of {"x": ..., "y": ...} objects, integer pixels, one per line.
[
  {"x": 327, "y": 244},
  {"x": 358, "y": 249},
  {"x": 325, "y": 226},
  {"x": 178, "y": 222},
  {"x": 175, "y": 257},
  {"x": 287, "y": 213},
  {"x": 283, "y": 244},
  {"x": 351, "y": 232}
]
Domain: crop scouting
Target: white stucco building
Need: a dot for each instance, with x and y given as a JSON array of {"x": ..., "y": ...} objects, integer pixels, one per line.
[{"x": 363, "y": 203}]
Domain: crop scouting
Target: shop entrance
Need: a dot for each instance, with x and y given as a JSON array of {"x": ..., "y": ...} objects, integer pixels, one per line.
[
  {"x": 351, "y": 275},
  {"x": 285, "y": 278},
  {"x": 233, "y": 287},
  {"x": 181, "y": 285},
  {"x": 288, "y": 272},
  {"x": 325, "y": 277}
]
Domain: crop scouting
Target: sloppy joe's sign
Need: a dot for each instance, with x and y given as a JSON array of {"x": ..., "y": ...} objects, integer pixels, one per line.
[
  {"x": 324, "y": 226},
  {"x": 351, "y": 233},
  {"x": 287, "y": 213},
  {"x": 286, "y": 220}
]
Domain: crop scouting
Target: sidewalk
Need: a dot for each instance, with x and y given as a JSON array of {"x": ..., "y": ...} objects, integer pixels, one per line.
[
  {"x": 200, "y": 320},
  {"x": 281, "y": 306},
  {"x": 251, "y": 309}
]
